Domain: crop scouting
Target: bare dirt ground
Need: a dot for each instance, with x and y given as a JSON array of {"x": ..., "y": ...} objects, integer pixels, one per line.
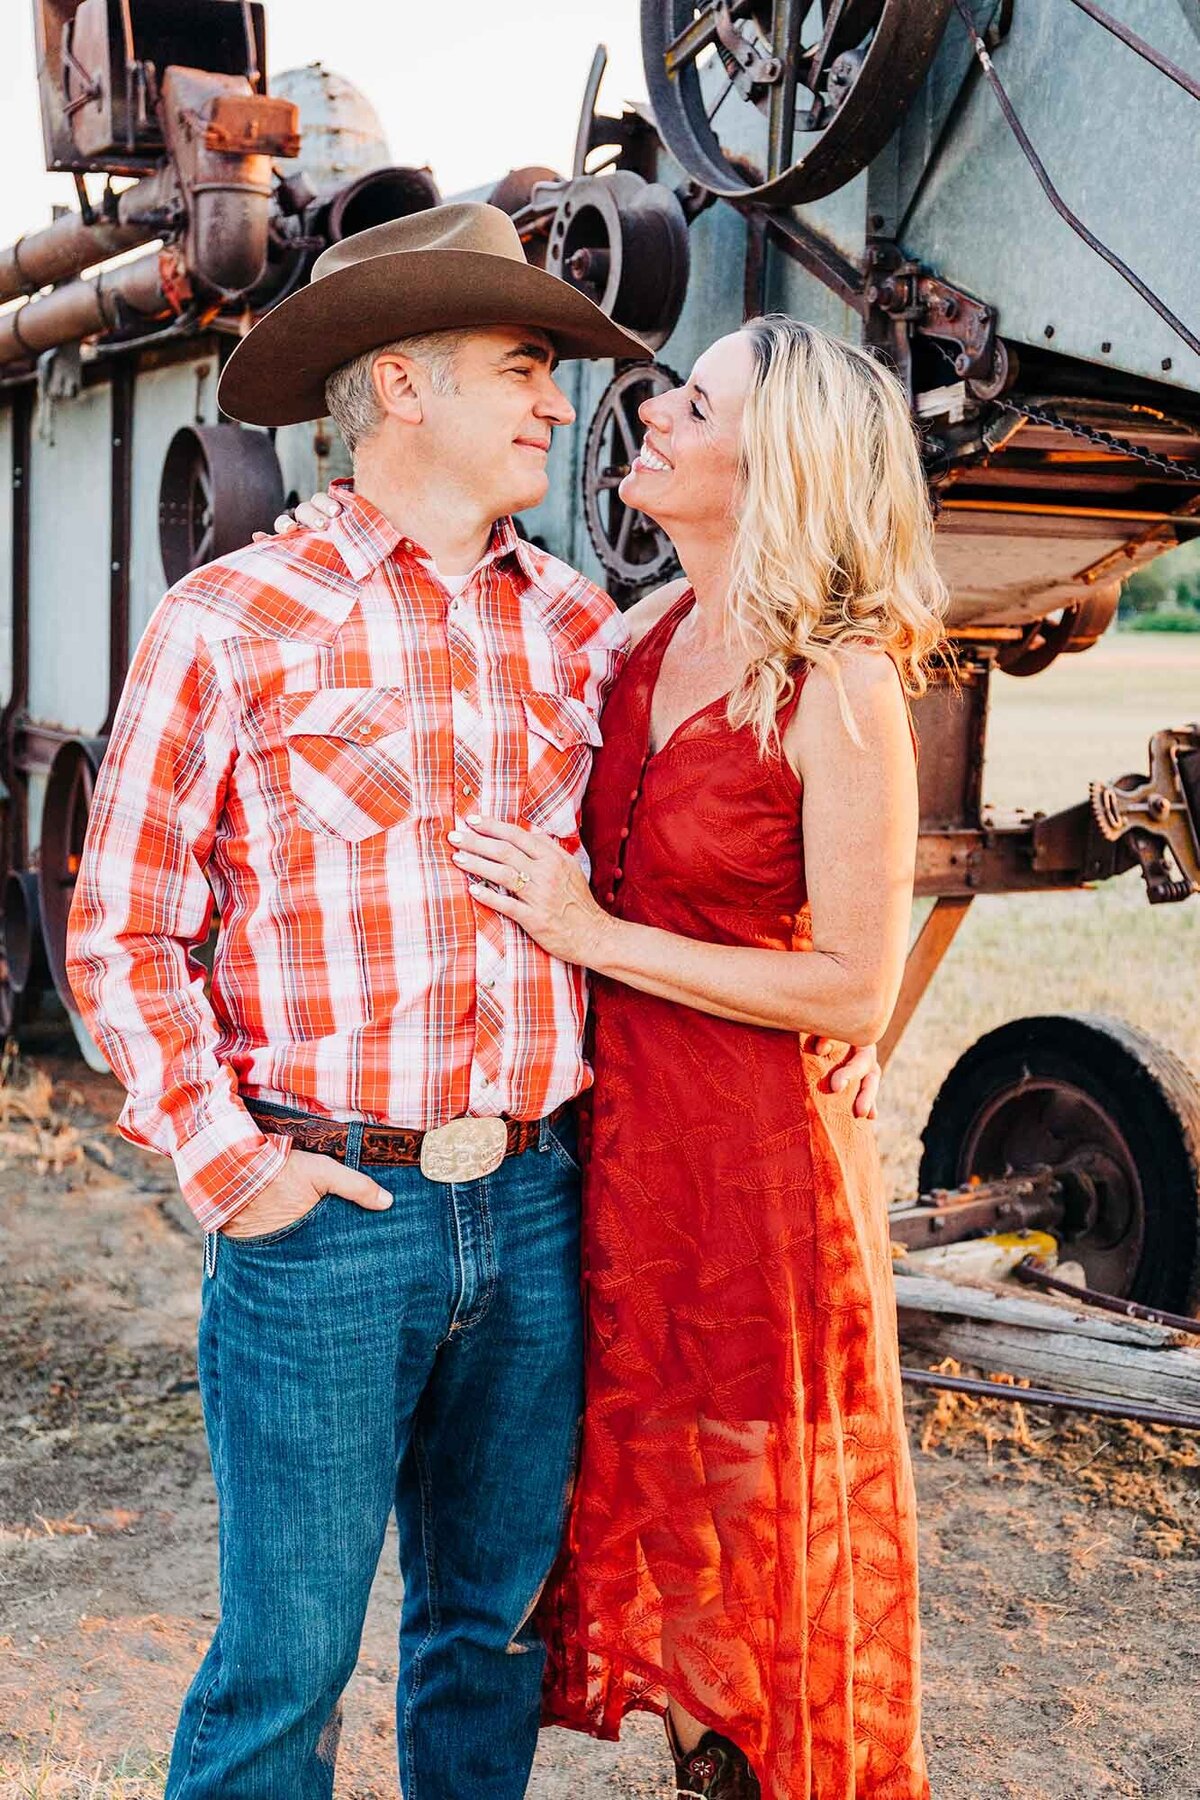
[{"x": 1061, "y": 1560}]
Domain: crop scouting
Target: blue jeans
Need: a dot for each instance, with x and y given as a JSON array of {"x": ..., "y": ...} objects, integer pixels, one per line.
[{"x": 427, "y": 1358}]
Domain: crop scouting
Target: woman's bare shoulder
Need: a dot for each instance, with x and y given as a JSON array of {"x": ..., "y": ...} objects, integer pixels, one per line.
[
  {"x": 867, "y": 685},
  {"x": 647, "y": 611}
]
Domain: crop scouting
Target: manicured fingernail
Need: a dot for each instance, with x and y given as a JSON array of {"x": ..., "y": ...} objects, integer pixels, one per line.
[
  {"x": 455, "y": 837},
  {"x": 474, "y": 818}
]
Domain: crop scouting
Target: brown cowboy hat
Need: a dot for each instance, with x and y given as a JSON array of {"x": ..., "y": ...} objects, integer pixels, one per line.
[{"x": 457, "y": 265}]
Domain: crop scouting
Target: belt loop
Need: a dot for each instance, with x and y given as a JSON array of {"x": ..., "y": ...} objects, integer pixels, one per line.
[
  {"x": 210, "y": 1253},
  {"x": 544, "y": 1133},
  {"x": 354, "y": 1139}
]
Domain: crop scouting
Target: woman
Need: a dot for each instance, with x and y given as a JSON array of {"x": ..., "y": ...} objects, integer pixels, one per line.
[{"x": 741, "y": 1554}]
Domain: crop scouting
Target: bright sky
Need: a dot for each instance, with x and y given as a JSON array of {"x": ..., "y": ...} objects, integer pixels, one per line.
[{"x": 472, "y": 87}]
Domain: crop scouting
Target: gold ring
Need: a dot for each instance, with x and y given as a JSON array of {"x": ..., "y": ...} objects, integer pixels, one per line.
[{"x": 522, "y": 882}]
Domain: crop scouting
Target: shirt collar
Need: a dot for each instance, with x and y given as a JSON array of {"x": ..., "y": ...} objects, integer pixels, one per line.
[{"x": 364, "y": 538}]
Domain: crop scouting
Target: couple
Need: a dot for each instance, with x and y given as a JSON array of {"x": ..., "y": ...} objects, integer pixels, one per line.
[{"x": 368, "y": 746}]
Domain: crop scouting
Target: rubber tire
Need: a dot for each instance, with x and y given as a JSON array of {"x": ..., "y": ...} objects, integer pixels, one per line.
[{"x": 1148, "y": 1093}]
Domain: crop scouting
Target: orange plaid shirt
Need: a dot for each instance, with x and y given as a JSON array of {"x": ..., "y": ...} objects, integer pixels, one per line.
[{"x": 302, "y": 724}]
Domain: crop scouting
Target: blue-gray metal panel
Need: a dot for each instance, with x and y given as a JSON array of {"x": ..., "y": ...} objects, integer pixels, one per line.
[
  {"x": 310, "y": 457},
  {"x": 164, "y": 399},
  {"x": 6, "y": 525},
  {"x": 1118, "y": 139},
  {"x": 69, "y": 561}
]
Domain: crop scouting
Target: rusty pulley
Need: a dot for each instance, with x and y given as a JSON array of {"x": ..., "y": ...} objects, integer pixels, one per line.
[
  {"x": 623, "y": 242},
  {"x": 779, "y": 102},
  {"x": 220, "y": 484},
  {"x": 65, "y": 812}
]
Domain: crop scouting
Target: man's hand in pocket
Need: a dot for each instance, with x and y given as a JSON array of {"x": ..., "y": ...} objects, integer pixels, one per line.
[{"x": 304, "y": 1179}]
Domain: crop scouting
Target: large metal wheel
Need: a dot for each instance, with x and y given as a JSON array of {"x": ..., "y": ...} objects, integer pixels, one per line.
[
  {"x": 220, "y": 484},
  {"x": 781, "y": 101},
  {"x": 1115, "y": 1114},
  {"x": 65, "y": 812},
  {"x": 636, "y": 552}
]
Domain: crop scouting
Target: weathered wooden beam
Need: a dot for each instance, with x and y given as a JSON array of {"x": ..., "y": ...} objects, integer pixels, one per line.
[{"x": 1063, "y": 1346}]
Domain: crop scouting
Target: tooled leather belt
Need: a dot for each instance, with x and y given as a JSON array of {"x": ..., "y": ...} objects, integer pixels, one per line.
[{"x": 382, "y": 1144}]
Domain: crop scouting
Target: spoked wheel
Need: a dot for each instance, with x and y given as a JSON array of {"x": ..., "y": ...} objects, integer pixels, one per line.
[
  {"x": 1115, "y": 1114},
  {"x": 219, "y": 485},
  {"x": 782, "y": 101},
  {"x": 636, "y": 552}
]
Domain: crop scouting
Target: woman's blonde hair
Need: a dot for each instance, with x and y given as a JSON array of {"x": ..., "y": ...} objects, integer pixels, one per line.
[{"x": 834, "y": 537}]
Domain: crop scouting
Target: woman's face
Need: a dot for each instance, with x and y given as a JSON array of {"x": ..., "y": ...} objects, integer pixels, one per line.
[{"x": 686, "y": 472}]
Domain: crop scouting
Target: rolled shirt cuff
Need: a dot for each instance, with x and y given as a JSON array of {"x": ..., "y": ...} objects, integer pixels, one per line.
[{"x": 226, "y": 1165}]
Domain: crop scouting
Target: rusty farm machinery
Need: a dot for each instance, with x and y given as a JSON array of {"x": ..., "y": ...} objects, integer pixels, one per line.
[{"x": 952, "y": 182}]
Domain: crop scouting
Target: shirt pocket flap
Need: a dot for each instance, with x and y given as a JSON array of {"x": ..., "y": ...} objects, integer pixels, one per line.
[
  {"x": 562, "y": 721},
  {"x": 363, "y": 715}
]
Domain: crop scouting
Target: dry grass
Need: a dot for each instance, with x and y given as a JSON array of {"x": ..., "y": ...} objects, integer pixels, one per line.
[
  {"x": 34, "y": 1127},
  {"x": 47, "y": 1775},
  {"x": 1088, "y": 717},
  {"x": 1148, "y": 1470}
]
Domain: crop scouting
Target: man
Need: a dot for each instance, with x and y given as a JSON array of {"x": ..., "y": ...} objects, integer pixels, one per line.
[
  {"x": 302, "y": 724},
  {"x": 367, "y": 1118}
]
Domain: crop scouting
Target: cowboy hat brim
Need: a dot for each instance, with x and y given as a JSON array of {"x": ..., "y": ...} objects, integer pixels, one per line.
[{"x": 277, "y": 374}]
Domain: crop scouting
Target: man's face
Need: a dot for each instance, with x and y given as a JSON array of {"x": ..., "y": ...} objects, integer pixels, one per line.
[{"x": 492, "y": 435}]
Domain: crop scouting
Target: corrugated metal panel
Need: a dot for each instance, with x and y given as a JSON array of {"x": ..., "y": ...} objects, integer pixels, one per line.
[
  {"x": 69, "y": 566},
  {"x": 1118, "y": 139}
]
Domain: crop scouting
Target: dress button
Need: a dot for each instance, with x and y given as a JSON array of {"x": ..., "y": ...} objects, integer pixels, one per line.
[
  {"x": 611, "y": 895},
  {"x": 618, "y": 875},
  {"x": 635, "y": 793},
  {"x": 624, "y": 831}
]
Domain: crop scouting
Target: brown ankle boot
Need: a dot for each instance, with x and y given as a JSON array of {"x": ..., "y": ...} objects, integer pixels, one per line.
[{"x": 716, "y": 1769}]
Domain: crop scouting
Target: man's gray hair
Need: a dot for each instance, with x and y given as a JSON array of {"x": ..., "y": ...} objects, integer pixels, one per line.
[{"x": 350, "y": 391}]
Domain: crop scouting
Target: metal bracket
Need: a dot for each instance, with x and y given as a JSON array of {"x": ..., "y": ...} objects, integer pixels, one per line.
[
  {"x": 1159, "y": 813},
  {"x": 905, "y": 293}
]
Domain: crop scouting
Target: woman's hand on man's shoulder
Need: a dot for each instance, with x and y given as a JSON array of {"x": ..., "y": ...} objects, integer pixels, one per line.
[{"x": 313, "y": 515}]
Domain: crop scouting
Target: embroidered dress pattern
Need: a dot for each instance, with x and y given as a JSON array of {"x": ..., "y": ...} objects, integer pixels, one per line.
[
  {"x": 743, "y": 1533},
  {"x": 303, "y": 722}
]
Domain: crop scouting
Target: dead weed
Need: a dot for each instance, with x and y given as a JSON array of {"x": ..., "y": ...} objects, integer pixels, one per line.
[{"x": 1146, "y": 1469}]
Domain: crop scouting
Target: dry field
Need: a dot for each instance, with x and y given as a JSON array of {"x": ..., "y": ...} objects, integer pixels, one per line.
[{"x": 1061, "y": 1561}]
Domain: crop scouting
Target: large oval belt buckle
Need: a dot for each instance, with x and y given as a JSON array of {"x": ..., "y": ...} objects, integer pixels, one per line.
[{"x": 463, "y": 1150}]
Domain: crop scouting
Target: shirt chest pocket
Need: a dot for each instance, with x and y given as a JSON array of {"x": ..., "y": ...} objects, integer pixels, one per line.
[
  {"x": 561, "y": 735},
  {"x": 349, "y": 759}
]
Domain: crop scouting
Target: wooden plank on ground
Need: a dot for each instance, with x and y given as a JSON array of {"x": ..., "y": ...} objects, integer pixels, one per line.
[
  {"x": 1016, "y": 1306},
  {"x": 1070, "y": 1348}
]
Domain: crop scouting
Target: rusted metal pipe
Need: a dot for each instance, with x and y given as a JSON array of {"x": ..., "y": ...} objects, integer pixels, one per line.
[
  {"x": 1032, "y": 1276},
  {"x": 61, "y": 250},
  {"x": 71, "y": 244},
  {"x": 81, "y": 309},
  {"x": 1089, "y": 1403}
]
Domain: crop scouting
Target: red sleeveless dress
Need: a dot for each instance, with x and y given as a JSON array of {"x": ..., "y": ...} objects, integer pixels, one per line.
[{"x": 742, "y": 1534}]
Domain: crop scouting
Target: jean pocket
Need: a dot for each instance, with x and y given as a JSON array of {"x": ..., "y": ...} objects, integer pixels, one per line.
[
  {"x": 562, "y": 1141},
  {"x": 285, "y": 1231}
]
